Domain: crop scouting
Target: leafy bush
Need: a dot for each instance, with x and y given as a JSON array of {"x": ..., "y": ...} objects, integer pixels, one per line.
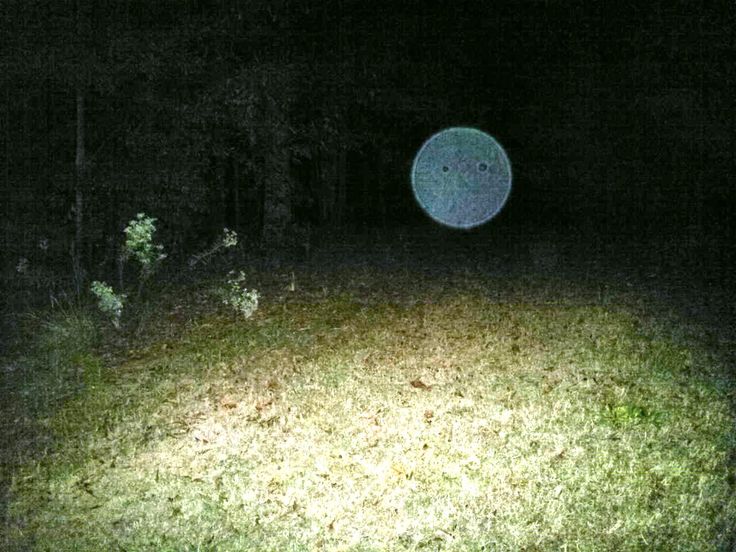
[
  {"x": 109, "y": 302},
  {"x": 244, "y": 301},
  {"x": 139, "y": 243}
]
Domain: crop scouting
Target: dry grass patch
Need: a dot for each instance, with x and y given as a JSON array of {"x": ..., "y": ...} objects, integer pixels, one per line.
[{"x": 357, "y": 422}]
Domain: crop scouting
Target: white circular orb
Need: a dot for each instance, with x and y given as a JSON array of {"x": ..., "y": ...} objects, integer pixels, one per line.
[{"x": 461, "y": 177}]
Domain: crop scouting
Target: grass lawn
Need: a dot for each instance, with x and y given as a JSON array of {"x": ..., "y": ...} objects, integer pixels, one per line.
[{"x": 378, "y": 411}]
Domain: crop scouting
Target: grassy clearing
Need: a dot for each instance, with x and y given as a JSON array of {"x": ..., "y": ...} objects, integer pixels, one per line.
[{"x": 385, "y": 414}]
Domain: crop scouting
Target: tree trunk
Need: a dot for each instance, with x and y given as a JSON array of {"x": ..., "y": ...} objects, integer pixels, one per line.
[
  {"x": 6, "y": 190},
  {"x": 236, "y": 194},
  {"x": 277, "y": 199},
  {"x": 380, "y": 188},
  {"x": 277, "y": 189},
  {"x": 79, "y": 167},
  {"x": 324, "y": 185},
  {"x": 79, "y": 177},
  {"x": 333, "y": 186},
  {"x": 341, "y": 195}
]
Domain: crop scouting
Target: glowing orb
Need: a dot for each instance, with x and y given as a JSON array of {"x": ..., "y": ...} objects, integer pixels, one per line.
[{"x": 461, "y": 177}]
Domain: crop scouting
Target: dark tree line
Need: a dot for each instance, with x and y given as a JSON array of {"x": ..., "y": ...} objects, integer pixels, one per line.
[
  {"x": 274, "y": 117},
  {"x": 206, "y": 114}
]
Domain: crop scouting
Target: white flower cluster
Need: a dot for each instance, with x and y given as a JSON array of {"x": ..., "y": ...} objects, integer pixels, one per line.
[
  {"x": 241, "y": 299},
  {"x": 139, "y": 242},
  {"x": 109, "y": 302},
  {"x": 230, "y": 238}
]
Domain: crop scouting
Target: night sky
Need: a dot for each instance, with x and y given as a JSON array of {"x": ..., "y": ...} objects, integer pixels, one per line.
[{"x": 613, "y": 115}]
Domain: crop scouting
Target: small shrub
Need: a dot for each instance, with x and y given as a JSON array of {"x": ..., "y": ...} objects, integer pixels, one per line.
[
  {"x": 110, "y": 303},
  {"x": 244, "y": 301},
  {"x": 139, "y": 243},
  {"x": 229, "y": 239}
]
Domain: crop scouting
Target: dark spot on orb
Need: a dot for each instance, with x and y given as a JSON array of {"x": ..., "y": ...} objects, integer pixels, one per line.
[
  {"x": 445, "y": 168},
  {"x": 482, "y": 167}
]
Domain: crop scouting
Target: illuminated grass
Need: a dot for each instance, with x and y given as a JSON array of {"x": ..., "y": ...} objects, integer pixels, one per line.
[{"x": 538, "y": 427}]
